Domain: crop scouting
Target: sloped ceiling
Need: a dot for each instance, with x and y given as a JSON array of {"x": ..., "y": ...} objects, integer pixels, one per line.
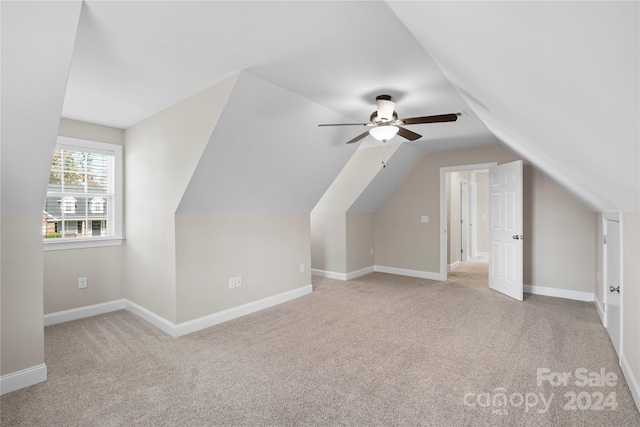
[
  {"x": 254, "y": 162},
  {"x": 555, "y": 81},
  {"x": 37, "y": 43}
]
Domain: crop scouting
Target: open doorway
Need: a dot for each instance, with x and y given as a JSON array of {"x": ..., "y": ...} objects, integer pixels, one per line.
[
  {"x": 464, "y": 205},
  {"x": 467, "y": 217}
]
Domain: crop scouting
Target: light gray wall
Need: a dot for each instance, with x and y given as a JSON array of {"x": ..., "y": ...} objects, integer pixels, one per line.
[
  {"x": 559, "y": 229},
  {"x": 266, "y": 250},
  {"x": 101, "y": 266},
  {"x": 329, "y": 226},
  {"x": 161, "y": 155},
  {"x": 359, "y": 240},
  {"x": 37, "y": 45},
  {"x": 559, "y": 246},
  {"x": 21, "y": 276},
  {"x": 401, "y": 240},
  {"x": 90, "y": 131},
  {"x": 328, "y": 241}
]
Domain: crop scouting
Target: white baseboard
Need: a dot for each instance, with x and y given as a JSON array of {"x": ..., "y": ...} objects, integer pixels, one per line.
[
  {"x": 190, "y": 326},
  {"x": 171, "y": 328},
  {"x": 632, "y": 381},
  {"x": 158, "y": 321},
  {"x": 406, "y": 272},
  {"x": 453, "y": 266},
  {"x": 24, "y": 378},
  {"x": 361, "y": 272},
  {"x": 82, "y": 312},
  {"x": 328, "y": 274},
  {"x": 600, "y": 308},
  {"x": 379, "y": 268},
  {"x": 560, "y": 293}
]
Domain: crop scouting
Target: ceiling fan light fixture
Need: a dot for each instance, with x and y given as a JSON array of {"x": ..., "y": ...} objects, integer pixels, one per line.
[{"x": 383, "y": 133}]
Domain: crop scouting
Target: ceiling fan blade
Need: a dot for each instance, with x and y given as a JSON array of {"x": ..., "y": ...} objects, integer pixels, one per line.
[
  {"x": 346, "y": 124},
  {"x": 431, "y": 119},
  {"x": 406, "y": 133},
  {"x": 358, "y": 138}
]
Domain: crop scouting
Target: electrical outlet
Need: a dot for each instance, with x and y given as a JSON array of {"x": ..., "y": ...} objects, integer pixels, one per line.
[
  {"x": 371, "y": 251},
  {"x": 302, "y": 268},
  {"x": 82, "y": 282},
  {"x": 238, "y": 281},
  {"x": 424, "y": 218},
  {"x": 232, "y": 282}
]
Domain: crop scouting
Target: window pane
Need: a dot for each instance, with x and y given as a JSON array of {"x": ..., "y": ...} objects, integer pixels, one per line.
[
  {"x": 53, "y": 208},
  {"x": 56, "y": 162},
  {"x": 73, "y": 229},
  {"x": 55, "y": 181},
  {"x": 96, "y": 183},
  {"x": 50, "y": 228},
  {"x": 73, "y": 181}
]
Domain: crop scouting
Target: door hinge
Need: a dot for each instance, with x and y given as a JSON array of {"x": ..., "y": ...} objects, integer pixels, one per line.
[
  {"x": 604, "y": 307},
  {"x": 605, "y": 239},
  {"x": 461, "y": 251}
]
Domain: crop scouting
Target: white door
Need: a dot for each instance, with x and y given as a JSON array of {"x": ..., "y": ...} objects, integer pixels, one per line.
[
  {"x": 612, "y": 280},
  {"x": 505, "y": 229}
]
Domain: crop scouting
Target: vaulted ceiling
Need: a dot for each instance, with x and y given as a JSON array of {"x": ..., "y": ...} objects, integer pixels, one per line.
[{"x": 556, "y": 82}]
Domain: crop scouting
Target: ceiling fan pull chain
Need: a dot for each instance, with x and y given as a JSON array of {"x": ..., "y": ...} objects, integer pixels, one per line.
[{"x": 384, "y": 150}]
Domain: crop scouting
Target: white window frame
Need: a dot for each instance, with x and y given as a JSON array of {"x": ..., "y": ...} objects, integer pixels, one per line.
[{"x": 77, "y": 144}]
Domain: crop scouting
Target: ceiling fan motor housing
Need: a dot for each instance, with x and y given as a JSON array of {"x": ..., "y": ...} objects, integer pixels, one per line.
[{"x": 386, "y": 107}]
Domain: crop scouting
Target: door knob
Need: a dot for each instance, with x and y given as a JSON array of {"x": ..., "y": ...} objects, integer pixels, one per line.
[
  {"x": 612, "y": 289},
  {"x": 516, "y": 237}
]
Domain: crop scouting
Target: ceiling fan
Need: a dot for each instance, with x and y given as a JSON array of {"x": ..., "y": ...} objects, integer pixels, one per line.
[{"x": 384, "y": 122}]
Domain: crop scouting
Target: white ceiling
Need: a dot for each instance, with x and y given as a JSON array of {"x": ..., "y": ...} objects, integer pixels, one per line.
[
  {"x": 133, "y": 59},
  {"x": 555, "y": 82},
  {"x": 558, "y": 82}
]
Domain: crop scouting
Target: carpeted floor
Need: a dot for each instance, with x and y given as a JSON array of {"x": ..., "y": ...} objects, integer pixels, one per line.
[{"x": 378, "y": 350}]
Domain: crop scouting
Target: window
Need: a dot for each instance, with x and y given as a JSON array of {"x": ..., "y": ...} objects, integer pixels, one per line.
[{"x": 83, "y": 206}]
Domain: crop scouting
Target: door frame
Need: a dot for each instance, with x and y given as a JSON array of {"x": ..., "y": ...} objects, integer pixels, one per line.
[
  {"x": 464, "y": 219},
  {"x": 617, "y": 217},
  {"x": 442, "y": 275},
  {"x": 473, "y": 216}
]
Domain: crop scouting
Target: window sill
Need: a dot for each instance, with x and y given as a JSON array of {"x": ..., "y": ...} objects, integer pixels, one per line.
[{"x": 59, "y": 245}]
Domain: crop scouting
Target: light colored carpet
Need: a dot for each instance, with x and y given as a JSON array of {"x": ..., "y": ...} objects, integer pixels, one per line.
[{"x": 378, "y": 350}]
